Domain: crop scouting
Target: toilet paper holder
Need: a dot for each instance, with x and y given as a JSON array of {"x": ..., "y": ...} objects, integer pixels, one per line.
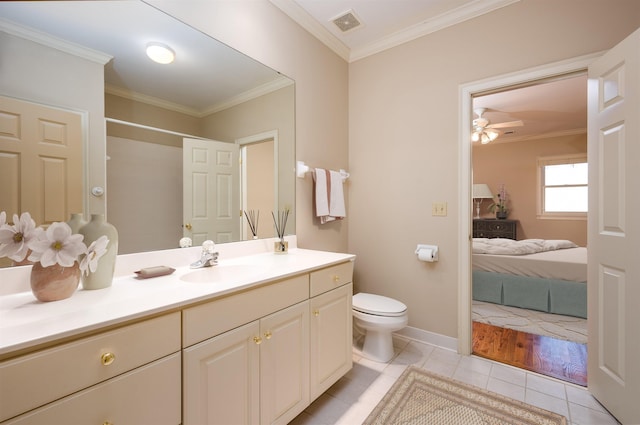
[{"x": 427, "y": 253}]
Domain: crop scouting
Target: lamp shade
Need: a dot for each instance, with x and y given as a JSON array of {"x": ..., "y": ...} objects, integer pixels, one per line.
[{"x": 482, "y": 191}]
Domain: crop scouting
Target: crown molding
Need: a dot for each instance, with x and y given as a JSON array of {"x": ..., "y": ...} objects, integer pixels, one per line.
[
  {"x": 267, "y": 88},
  {"x": 151, "y": 100},
  {"x": 549, "y": 135},
  {"x": 54, "y": 42},
  {"x": 306, "y": 21},
  {"x": 256, "y": 92},
  {"x": 444, "y": 20}
]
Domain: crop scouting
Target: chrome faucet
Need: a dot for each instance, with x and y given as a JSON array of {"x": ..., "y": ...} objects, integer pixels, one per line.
[{"x": 209, "y": 256}]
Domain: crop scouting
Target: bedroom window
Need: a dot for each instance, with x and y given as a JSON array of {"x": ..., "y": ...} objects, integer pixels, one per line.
[{"x": 563, "y": 188}]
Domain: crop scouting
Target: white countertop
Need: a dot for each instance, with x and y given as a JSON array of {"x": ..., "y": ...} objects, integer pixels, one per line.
[{"x": 26, "y": 322}]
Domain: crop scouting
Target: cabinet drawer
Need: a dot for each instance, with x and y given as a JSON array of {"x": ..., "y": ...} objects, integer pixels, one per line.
[
  {"x": 207, "y": 320},
  {"x": 330, "y": 278},
  {"x": 147, "y": 395},
  {"x": 79, "y": 364}
]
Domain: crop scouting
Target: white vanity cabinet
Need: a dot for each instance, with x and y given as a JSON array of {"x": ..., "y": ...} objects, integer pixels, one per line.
[
  {"x": 267, "y": 370},
  {"x": 255, "y": 373},
  {"x": 254, "y": 348},
  {"x": 126, "y": 375}
]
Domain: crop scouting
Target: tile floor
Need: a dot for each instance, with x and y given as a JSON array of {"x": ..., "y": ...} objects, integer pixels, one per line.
[{"x": 352, "y": 398}]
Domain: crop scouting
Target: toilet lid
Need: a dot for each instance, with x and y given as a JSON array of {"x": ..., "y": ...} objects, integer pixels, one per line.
[{"x": 378, "y": 305}]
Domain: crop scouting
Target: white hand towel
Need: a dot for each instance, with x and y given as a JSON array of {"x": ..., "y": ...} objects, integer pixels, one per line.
[{"x": 329, "y": 195}]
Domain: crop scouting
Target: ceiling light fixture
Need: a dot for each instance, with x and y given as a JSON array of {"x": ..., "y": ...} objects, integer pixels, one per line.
[
  {"x": 484, "y": 135},
  {"x": 160, "y": 53}
]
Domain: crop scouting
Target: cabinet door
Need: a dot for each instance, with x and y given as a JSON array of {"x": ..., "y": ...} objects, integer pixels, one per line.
[
  {"x": 221, "y": 379},
  {"x": 331, "y": 338},
  {"x": 284, "y": 364}
]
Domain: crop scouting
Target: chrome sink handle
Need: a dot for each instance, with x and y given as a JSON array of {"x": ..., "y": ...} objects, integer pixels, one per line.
[{"x": 209, "y": 256}]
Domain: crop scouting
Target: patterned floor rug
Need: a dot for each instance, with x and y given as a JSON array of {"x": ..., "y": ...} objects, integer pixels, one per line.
[
  {"x": 420, "y": 397},
  {"x": 534, "y": 322}
]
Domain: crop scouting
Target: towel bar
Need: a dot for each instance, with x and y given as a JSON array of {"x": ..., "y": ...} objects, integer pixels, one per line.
[{"x": 302, "y": 169}]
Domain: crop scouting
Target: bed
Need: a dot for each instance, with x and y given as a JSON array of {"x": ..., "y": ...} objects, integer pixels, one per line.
[{"x": 537, "y": 274}]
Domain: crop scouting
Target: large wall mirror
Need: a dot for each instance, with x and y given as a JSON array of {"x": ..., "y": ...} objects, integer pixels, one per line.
[{"x": 210, "y": 104}]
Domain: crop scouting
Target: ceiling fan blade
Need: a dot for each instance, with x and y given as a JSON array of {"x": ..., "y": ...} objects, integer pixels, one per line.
[{"x": 517, "y": 123}]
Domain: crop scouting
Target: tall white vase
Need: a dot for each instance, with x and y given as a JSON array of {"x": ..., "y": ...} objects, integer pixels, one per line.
[
  {"x": 76, "y": 222},
  {"x": 95, "y": 228}
]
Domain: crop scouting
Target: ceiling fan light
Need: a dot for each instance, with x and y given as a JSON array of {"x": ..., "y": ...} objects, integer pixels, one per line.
[
  {"x": 475, "y": 136},
  {"x": 160, "y": 53}
]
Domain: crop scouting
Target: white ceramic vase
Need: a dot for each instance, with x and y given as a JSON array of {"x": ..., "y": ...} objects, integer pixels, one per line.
[
  {"x": 76, "y": 222},
  {"x": 95, "y": 228}
]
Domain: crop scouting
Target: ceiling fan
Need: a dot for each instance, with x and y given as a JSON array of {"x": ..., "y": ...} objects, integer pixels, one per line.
[{"x": 484, "y": 132}]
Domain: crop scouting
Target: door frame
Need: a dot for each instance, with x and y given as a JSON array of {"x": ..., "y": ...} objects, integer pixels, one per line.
[
  {"x": 243, "y": 142},
  {"x": 466, "y": 93}
]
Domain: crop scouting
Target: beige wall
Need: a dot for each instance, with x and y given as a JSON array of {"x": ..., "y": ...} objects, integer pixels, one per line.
[
  {"x": 403, "y": 138},
  {"x": 514, "y": 165},
  {"x": 260, "y": 30}
]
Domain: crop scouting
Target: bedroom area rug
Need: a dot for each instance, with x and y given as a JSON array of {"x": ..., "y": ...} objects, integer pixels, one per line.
[
  {"x": 568, "y": 328},
  {"x": 421, "y": 397}
]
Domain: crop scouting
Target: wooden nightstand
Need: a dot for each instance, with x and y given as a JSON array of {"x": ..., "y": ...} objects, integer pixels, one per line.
[{"x": 494, "y": 228}]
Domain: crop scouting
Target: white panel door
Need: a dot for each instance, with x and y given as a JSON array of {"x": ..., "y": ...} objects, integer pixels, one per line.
[
  {"x": 40, "y": 161},
  {"x": 211, "y": 191},
  {"x": 614, "y": 230}
]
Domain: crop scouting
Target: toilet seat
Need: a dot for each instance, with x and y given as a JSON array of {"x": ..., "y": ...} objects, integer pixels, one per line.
[{"x": 378, "y": 305}]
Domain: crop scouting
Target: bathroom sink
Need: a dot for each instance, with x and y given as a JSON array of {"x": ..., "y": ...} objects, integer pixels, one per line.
[{"x": 222, "y": 273}]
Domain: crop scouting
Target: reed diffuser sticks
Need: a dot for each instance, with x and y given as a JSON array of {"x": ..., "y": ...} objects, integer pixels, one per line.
[
  {"x": 280, "y": 224},
  {"x": 252, "y": 219}
]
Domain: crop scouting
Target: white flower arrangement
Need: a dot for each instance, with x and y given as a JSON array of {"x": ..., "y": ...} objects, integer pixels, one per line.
[{"x": 55, "y": 245}]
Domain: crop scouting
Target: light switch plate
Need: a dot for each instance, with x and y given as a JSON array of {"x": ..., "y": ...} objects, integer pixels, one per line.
[{"x": 439, "y": 209}]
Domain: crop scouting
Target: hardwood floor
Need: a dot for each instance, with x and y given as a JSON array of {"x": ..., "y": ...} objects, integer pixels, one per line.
[{"x": 549, "y": 356}]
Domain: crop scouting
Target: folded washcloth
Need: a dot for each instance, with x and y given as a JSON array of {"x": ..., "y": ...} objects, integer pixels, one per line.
[{"x": 329, "y": 195}]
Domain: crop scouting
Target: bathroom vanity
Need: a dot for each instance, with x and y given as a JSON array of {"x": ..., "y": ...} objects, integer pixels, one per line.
[{"x": 254, "y": 339}]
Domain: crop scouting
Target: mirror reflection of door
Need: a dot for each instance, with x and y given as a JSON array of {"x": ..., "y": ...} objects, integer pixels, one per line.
[
  {"x": 258, "y": 173},
  {"x": 210, "y": 190},
  {"x": 40, "y": 161}
]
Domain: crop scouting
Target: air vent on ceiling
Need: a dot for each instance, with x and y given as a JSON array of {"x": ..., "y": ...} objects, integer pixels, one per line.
[{"x": 347, "y": 21}]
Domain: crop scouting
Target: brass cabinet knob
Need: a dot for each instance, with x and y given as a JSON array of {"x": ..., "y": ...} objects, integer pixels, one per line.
[
  {"x": 268, "y": 334},
  {"x": 336, "y": 278},
  {"x": 316, "y": 313},
  {"x": 107, "y": 358},
  {"x": 107, "y": 423},
  {"x": 187, "y": 226},
  {"x": 257, "y": 340}
]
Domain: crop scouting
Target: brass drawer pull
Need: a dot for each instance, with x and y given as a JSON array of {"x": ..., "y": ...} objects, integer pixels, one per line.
[
  {"x": 336, "y": 278},
  {"x": 107, "y": 423},
  {"x": 316, "y": 313},
  {"x": 268, "y": 334},
  {"x": 257, "y": 340},
  {"x": 107, "y": 358}
]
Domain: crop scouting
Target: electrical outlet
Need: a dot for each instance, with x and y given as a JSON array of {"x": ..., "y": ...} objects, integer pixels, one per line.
[{"x": 439, "y": 209}]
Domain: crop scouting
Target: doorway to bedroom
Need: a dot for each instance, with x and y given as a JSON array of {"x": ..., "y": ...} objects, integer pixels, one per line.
[{"x": 529, "y": 311}]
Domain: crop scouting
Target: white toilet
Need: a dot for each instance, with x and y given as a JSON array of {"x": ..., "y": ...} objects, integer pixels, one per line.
[{"x": 379, "y": 316}]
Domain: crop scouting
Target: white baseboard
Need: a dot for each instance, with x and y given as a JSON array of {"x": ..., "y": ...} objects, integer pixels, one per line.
[{"x": 427, "y": 337}]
